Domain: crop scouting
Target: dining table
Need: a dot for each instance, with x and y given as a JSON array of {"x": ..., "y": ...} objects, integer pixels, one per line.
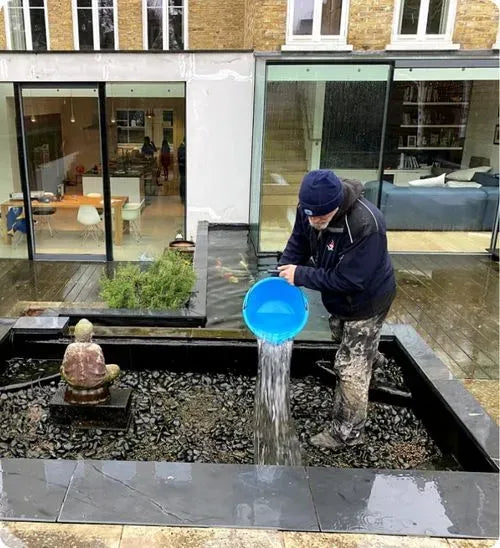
[{"x": 71, "y": 201}]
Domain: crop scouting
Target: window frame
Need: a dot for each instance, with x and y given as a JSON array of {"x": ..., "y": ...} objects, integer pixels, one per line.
[
  {"x": 422, "y": 40},
  {"x": 95, "y": 25},
  {"x": 28, "y": 36},
  {"x": 316, "y": 40},
  {"x": 164, "y": 26}
]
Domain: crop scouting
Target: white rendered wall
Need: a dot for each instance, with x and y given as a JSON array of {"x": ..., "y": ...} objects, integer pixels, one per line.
[{"x": 219, "y": 108}]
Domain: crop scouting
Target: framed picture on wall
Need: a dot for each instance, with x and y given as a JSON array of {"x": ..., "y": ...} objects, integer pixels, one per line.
[{"x": 496, "y": 136}]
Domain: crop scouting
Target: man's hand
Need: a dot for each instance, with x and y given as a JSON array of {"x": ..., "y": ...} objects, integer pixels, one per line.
[{"x": 287, "y": 271}]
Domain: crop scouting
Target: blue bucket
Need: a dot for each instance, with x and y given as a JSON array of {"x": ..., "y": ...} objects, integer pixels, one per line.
[{"x": 275, "y": 311}]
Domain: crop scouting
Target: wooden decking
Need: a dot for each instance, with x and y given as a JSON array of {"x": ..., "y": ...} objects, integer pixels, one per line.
[{"x": 451, "y": 300}]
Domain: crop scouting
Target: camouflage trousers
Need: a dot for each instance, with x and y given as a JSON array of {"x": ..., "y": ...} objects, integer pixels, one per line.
[{"x": 357, "y": 353}]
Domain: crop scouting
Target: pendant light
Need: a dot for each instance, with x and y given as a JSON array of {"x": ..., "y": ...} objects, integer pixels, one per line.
[
  {"x": 33, "y": 117},
  {"x": 113, "y": 119},
  {"x": 72, "y": 119}
]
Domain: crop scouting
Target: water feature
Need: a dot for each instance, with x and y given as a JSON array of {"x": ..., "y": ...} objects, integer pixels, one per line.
[
  {"x": 276, "y": 441},
  {"x": 275, "y": 312}
]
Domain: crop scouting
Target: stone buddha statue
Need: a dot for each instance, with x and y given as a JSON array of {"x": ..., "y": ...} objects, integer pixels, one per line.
[{"x": 84, "y": 369}]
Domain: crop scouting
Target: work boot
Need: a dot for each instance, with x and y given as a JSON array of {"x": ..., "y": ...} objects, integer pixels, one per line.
[{"x": 327, "y": 441}]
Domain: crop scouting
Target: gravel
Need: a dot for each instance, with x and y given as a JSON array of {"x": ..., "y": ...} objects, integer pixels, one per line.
[{"x": 208, "y": 417}]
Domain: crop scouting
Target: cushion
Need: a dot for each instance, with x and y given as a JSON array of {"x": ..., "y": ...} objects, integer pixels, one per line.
[
  {"x": 462, "y": 184},
  {"x": 278, "y": 179},
  {"x": 467, "y": 174},
  {"x": 430, "y": 181},
  {"x": 486, "y": 179}
]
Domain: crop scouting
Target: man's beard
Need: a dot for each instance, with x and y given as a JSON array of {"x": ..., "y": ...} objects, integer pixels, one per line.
[{"x": 319, "y": 226}]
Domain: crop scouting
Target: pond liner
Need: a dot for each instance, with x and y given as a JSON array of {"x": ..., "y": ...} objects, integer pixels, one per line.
[{"x": 28, "y": 384}]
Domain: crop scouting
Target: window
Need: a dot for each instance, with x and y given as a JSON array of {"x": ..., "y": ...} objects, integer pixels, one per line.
[
  {"x": 164, "y": 26},
  {"x": 26, "y": 25},
  {"x": 130, "y": 126},
  {"x": 423, "y": 24},
  {"x": 94, "y": 24},
  {"x": 317, "y": 24}
]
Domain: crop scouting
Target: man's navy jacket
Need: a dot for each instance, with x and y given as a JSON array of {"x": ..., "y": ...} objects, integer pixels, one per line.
[{"x": 350, "y": 262}]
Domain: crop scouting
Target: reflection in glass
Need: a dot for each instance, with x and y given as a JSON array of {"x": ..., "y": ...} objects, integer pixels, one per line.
[
  {"x": 303, "y": 12},
  {"x": 330, "y": 17},
  {"x": 106, "y": 27},
  {"x": 436, "y": 20},
  {"x": 38, "y": 31},
  {"x": 155, "y": 31},
  {"x": 85, "y": 30},
  {"x": 16, "y": 24},
  {"x": 409, "y": 17},
  {"x": 175, "y": 26}
]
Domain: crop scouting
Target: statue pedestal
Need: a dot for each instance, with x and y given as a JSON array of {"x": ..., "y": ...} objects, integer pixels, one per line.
[{"x": 113, "y": 414}]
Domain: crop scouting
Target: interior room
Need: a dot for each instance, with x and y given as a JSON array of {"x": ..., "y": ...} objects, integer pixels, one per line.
[
  {"x": 440, "y": 161},
  {"x": 145, "y": 138}
]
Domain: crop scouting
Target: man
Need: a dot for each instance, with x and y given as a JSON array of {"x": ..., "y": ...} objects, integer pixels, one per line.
[{"x": 339, "y": 246}]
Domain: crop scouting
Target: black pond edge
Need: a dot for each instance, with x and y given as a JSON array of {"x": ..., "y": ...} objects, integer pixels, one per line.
[
  {"x": 414, "y": 502},
  {"x": 194, "y": 314}
]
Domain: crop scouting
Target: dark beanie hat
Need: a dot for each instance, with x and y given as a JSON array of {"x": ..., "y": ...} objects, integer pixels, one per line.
[{"x": 320, "y": 193}]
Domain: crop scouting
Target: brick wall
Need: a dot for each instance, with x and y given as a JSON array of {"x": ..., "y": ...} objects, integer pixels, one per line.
[
  {"x": 265, "y": 24},
  {"x": 216, "y": 25},
  {"x": 370, "y": 24},
  {"x": 476, "y": 24},
  {"x": 60, "y": 24},
  {"x": 130, "y": 25},
  {"x": 3, "y": 38}
]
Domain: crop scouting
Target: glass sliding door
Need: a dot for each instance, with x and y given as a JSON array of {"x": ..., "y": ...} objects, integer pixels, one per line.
[
  {"x": 146, "y": 128},
  {"x": 317, "y": 116},
  {"x": 62, "y": 148},
  {"x": 440, "y": 189},
  {"x": 13, "y": 228}
]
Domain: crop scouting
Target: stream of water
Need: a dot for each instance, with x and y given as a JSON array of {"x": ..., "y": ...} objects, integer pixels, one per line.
[{"x": 276, "y": 441}]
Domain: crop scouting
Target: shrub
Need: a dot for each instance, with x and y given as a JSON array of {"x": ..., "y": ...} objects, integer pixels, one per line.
[{"x": 166, "y": 284}]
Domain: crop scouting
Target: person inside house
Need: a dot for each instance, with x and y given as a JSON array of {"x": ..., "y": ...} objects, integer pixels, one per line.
[
  {"x": 338, "y": 246},
  {"x": 181, "y": 161},
  {"x": 165, "y": 158},
  {"x": 148, "y": 148}
]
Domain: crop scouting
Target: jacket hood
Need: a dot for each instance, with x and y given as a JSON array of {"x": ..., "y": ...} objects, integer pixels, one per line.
[{"x": 352, "y": 191}]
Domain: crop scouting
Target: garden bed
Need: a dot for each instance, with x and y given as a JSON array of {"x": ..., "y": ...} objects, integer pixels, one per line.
[{"x": 193, "y": 314}]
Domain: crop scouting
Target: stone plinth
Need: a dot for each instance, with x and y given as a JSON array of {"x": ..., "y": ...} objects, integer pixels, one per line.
[{"x": 113, "y": 414}]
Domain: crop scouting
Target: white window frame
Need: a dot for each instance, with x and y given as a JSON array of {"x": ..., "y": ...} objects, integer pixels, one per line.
[
  {"x": 317, "y": 41},
  {"x": 422, "y": 40},
  {"x": 165, "y": 25},
  {"x": 27, "y": 25},
  {"x": 496, "y": 45},
  {"x": 95, "y": 25}
]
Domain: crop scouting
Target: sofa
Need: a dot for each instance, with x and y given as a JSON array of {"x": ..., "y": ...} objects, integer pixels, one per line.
[{"x": 435, "y": 208}]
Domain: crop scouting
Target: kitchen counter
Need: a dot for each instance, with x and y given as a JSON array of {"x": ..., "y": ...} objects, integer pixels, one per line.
[{"x": 128, "y": 183}]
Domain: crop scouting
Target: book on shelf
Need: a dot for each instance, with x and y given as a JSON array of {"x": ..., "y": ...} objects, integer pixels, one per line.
[{"x": 408, "y": 161}]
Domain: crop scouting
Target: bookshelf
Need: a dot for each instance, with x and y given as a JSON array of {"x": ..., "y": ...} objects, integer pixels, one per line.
[{"x": 428, "y": 125}]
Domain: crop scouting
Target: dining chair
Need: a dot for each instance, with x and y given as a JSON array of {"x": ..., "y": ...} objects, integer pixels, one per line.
[
  {"x": 131, "y": 212},
  {"x": 89, "y": 217}
]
